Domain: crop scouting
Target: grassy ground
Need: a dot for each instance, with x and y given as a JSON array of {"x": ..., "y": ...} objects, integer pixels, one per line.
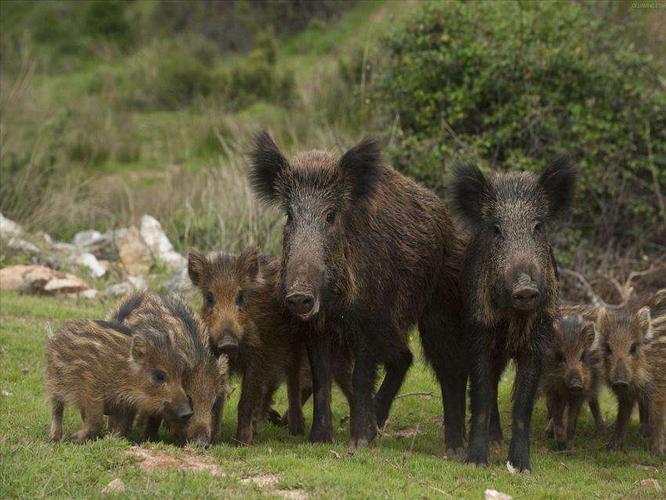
[{"x": 407, "y": 461}]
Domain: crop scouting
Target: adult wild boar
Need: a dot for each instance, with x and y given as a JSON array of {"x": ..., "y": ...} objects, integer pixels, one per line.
[
  {"x": 367, "y": 253},
  {"x": 509, "y": 289}
]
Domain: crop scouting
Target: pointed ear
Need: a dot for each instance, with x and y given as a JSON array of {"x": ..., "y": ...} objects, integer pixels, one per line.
[
  {"x": 249, "y": 262},
  {"x": 589, "y": 334},
  {"x": 558, "y": 181},
  {"x": 603, "y": 317},
  {"x": 139, "y": 348},
  {"x": 266, "y": 165},
  {"x": 361, "y": 166},
  {"x": 197, "y": 264},
  {"x": 470, "y": 193},
  {"x": 644, "y": 322}
]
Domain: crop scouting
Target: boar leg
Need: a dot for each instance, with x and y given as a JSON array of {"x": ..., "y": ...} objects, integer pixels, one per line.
[
  {"x": 657, "y": 417},
  {"x": 528, "y": 372},
  {"x": 396, "y": 370},
  {"x": 151, "y": 427},
  {"x": 295, "y": 419},
  {"x": 252, "y": 393},
  {"x": 93, "y": 423},
  {"x": 342, "y": 373},
  {"x": 556, "y": 408},
  {"x": 218, "y": 408},
  {"x": 625, "y": 404},
  {"x": 57, "y": 409},
  {"x": 572, "y": 418},
  {"x": 319, "y": 354},
  {"x": 363, "y": 423},
  {"x": 596, "y": 413},
  {"x": 644, "y": 418},
  {"x": 121, "y": 423},
  {"x": 481, "y": 395},
  {"x": 495, "y": 432},
  {"x": 447, "y": 354}
]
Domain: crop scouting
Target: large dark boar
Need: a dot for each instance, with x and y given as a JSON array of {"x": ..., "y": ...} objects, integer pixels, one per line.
[
  {"x": 205, "y": 374},
  {"x": 635, "y": 368},
  {"x": 367, "y": 254},
  {"x": 509, "y": 289},
  {"x": 571, "y": 377},
  {"x": 101, "y": 368}
]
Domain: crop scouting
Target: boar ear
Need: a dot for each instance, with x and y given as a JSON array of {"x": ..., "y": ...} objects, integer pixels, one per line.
[
  {"x": 266, "y": 165},
  {"x": 139, "y": 348},
  {"x": 589, "y": 334},
  {"x": 470, "y": 192},
  {"x": 196, "y": 267},
  {"x": 558, "y": 181},
  {"x": 645, "y": 322},
  {"x": 361, "y": 166},
  {"x": 249, "y": 262}
]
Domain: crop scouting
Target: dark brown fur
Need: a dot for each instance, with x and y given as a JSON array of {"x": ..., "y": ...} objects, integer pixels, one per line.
[
  {"x": 205, "y": 376},
  {"x": 101, "y": 368},
  {"x": 367, "y": 253},
  {"x": 572, "y": 375},
  {"x": 509, "y": 289},
  {"x": 635, "y": 369}
]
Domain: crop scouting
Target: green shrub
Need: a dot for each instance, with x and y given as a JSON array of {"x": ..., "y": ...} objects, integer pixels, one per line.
[{"x": 515, "y": 85}]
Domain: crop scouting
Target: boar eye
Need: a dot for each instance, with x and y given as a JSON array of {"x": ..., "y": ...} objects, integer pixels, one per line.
[
  {"x": 159, "y": 377},
  {"x": 239, "y": 299},
  {"x": 607, "y": 348},
  {"x": 538, "y": 227},
  {"x": 559, "y": 357},
  {"x": 497, "y": 231},
  {"x": 330, "y": 217},
  {"x": 633, "y": 348},
  {"x": 582, "y": 356},
  {"x": 210, "y": 299},
  {"x": 290, "y": 216}
]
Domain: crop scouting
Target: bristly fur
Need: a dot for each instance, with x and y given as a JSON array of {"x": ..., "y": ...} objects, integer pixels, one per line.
[
  {"x": 266, "y": 164},
  {"x": 558, "y": 181},
  {"x": 361, "y": 165}
]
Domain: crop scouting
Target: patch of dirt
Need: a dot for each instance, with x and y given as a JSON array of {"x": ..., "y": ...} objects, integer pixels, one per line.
[
  {"x": 406, "y": 432},
  {"x": 268, "y": 480},
  {"x": 155, "y": 459}
]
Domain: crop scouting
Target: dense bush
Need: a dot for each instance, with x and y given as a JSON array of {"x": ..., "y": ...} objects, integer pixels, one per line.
[{"x": 512, "y": 87}]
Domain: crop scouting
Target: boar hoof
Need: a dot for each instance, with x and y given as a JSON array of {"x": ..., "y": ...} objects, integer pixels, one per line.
[
  {"x": 360, "y": 442},
  {"x": 452, "y": 453},
  {"x": 478, "y": 458},
  {"x": 321, "y": 436},
  {"x": 644, "y": 430},
  {"x": 80, "y": 437},
  {"x": 296, "y": 427},
  {"x": 516, "y": 469}
]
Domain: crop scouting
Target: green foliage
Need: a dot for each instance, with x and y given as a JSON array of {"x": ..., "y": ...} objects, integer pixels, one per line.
[
  {"x": 515, "y": 86},
  {"x": 106, "y": 19}
]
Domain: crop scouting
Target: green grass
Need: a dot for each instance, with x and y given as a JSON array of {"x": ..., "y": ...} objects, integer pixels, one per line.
[{"x": 393, "y": 466}]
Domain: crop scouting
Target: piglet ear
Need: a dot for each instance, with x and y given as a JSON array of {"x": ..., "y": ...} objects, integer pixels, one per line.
[
  {"x": 558, "y": 181},
  {"x": 361, "y": 166},
  {"x": 139, "y": 348},
  {"x": 470, "y": 193},
  {"x": 249, "y": 262},
  {"x": 197, "y": 264},
  {"x": 603, "y": 317},
  {"x": 645, "y": 322},
  {"x": 266, "y": 166}
]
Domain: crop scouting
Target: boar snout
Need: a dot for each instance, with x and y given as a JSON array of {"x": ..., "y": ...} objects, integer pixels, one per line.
[
  {"x": 575, "y": 382},
  {"x": 180, "y": 407},
  {"x": 228, "y": 344},
  {"x": 620, "y": 378},
  {"x": 525, "y": 294},
  {"x": 302, "y": 304},
  {"x": 200, "y": 437}
]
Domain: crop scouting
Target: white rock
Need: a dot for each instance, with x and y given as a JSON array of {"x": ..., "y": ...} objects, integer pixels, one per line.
[
  {"x": 119, "y": 289},
  {"x": 89, "y": 261},
  {"x": 21, "y": 245},
  {"x": 159, "y": 245},
  {"x": 138, "y": 283},
  {"x": 91, "y": 241},
  {"x": 40, "y": 279},
  {"x": 68, "y": 284},
  {"x": 496, "y": 495},
  {"x": 115, "y": 486},
  {"x": 134, "y": 253},
  {"x": 9, "y": 228}
]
